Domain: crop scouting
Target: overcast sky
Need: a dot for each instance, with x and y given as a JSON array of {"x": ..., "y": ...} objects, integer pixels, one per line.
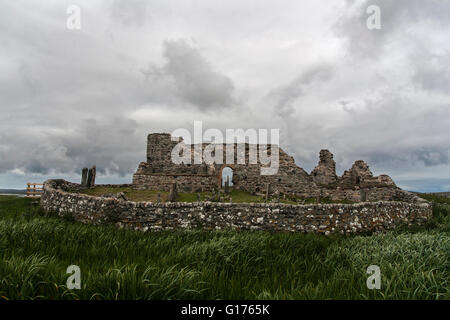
[{"x": 74, "y": 98}]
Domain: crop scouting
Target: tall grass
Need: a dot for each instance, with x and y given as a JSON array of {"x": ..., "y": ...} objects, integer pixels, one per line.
[{"x": 36, "y": 249}]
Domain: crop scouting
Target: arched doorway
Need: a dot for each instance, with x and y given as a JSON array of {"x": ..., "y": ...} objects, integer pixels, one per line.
[{"x": 226, "y": 173}]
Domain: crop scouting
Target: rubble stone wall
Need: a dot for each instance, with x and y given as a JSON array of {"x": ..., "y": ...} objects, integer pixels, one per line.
[
  {"x": 356, "y": 184},
  {"x": 318, "y": 218},
  {"x": 184, "y": 182}
]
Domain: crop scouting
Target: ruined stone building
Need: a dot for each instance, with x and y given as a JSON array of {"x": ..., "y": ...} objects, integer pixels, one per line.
[{"x": 356, "y": 184}]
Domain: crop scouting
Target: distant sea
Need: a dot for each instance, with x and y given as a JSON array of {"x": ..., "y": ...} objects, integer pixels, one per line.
[{"x": 13, "y": 192}]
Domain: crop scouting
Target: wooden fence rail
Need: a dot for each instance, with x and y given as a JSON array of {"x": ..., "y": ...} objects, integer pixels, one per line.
[{"x": 34, "y": 190}]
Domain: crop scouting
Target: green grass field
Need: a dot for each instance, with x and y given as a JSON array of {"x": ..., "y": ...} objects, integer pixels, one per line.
[
  {"x": 236, "y": 196},
  {"x": 36, "y": 250}
]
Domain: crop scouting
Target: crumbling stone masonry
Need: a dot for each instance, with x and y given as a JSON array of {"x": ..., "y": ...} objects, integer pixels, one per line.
[
  {"x": 382, "y": 205},
  {"x": 356, "y": 184},
  {"x": 148, "y": 216}
]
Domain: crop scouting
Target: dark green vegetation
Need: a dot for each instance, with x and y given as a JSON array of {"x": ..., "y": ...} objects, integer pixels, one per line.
[
  {"x": 35, "y": 251},
  {"x": 152, "y": 195},
  {"x": 436, "y": 197},
  {"x": 237, "y": 196}
]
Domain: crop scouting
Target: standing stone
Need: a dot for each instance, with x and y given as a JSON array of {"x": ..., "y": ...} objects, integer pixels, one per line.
[
  {"x": 173, "y": 193},
  {"x": 89, "y": 178},
  {"x": 363, "y": 195},
  {"x": 158, "y": 199},
  {"x": 227, "y": 185},
  {"x": 84, "y": 177},
  {"x": 94, "y": 173},
  {"x": 267, "y": 192}
]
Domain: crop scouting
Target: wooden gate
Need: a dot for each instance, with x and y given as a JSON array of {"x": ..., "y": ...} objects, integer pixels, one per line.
[{"x": 34, "y": 190}]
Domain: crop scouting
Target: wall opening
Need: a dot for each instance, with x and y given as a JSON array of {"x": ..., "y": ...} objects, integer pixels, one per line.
[{"x": 227, "y": 172}]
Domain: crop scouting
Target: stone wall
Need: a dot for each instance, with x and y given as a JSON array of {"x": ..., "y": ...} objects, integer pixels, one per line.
[
  {"x": 357, "y": 183},
  {"x": 290, "y": 179},
  {"x": 185, "y": 182},
  {"x": 319, "y": 218}
]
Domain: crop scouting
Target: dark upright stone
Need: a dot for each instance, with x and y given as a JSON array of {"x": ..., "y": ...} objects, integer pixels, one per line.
[
  {"x": 94, "y": 173},
  {"x": 84, "y": 177},
  {"x": 267, "y": 192},
  {"x": 363, "y": 196},
  {"x": 173, "y": 193},
  {"x": 89, "y": 178}
]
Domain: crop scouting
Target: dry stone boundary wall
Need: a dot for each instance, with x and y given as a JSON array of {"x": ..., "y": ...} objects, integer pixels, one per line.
[{"x": 146, "y": 216}]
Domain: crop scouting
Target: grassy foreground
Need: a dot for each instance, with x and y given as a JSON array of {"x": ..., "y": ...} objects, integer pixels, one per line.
[{"x": 35, "y": 251}]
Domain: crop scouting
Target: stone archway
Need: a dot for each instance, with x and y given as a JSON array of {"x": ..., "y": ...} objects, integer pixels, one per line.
[{"x": 220, "y": 180}]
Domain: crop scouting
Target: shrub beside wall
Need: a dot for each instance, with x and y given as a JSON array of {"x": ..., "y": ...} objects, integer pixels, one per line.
[{"x": 317, "y": 218}]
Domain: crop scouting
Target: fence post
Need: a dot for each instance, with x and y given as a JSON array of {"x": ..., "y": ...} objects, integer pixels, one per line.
[{"x": 267, "y": 192}]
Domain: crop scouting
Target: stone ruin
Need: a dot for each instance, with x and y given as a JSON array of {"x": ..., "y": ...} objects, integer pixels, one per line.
[
  {"x": 88, "y": 177},
  {"x": 357, "y": 184},
  {"x": 380, "y": 206}
]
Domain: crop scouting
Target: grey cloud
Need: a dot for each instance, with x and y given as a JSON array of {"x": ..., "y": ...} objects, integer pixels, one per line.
[
  {"x": 399, "y": 19},
  {"x": 429, "y": 156},
  {"x": 130, "y": 12},
  {"x": 433, "y": 156},
  {"x": 431, "y": 70},
  {"x": 115, "y": 146},
  {"x": 393, "y": 133},
  {"x": 29, "y": 81},
  {"x": 284, "y": 97},
  {"x": 388, "y": 134},
  {"x": 74, "y": 99},
  {"x": 194, "y": 79},
  {"x": 347, "y": 106}
]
